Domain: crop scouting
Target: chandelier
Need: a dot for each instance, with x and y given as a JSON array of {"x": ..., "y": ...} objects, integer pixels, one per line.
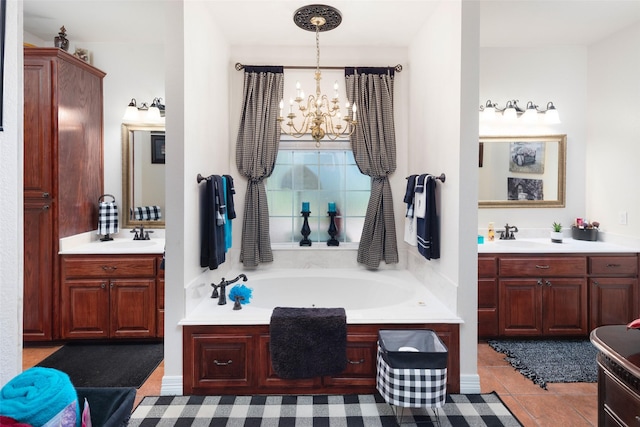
[{"x": 321, "y": 116}]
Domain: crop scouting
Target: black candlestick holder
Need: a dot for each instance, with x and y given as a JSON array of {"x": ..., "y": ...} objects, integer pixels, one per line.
[
  {"x": 333, "y": 230},
  {"x": 305, "y": 230}
]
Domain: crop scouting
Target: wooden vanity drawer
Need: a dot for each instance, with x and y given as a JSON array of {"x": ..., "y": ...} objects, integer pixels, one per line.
[
  {"x": 613, "y": 265},
  {"x": 542, "y": 266},
  {"x": 110, "y": 266},
  {"x": 487, "y": 267}
]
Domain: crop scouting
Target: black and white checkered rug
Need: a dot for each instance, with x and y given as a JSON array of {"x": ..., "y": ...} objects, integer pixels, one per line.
[{"x": 363, "y": 410}]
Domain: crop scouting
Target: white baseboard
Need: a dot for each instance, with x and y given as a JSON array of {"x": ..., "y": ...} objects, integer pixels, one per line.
[
  {"x": 470, "y": 384},
  {"x": 171, "y": 386}
]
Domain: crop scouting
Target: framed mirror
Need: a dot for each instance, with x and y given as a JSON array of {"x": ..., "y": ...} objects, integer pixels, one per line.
[
  {"x": 522, "y": 171},
  {"x": 143, "y": 172}
]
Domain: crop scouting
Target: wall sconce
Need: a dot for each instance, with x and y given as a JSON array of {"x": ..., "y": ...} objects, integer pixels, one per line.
[
  {"x": 144, "y": 113},
  {"x": 512, "y": 111}
]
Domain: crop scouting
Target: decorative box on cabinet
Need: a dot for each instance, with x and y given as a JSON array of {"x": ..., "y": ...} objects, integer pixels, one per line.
[
  {"x": 108, "y": 296},
  {"x": 618, "y": 375},
  {"x": 63, "y": 173},
  {"x": 613, "y": 283},
  {"x": 542, "y": 295},
  {"x": 487, "y": 296}
]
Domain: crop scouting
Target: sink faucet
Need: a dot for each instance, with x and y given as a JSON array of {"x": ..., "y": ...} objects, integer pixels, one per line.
[
  {"x": 219, "y": 290},
  {"x": 506, "y": 235},
  {"x": 141, "y": 234}
]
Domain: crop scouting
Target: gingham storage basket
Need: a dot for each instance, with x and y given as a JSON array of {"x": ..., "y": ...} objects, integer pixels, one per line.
[{"x": 415, "y": 379}]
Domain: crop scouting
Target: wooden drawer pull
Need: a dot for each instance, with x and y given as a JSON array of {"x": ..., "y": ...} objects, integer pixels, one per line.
[
  {"x": 542, "y": 267},
  {"x": 356, "y": 362},
  {"x": 109, "y": 268},
  {"x": 613, "y": 265},
  {"x": 218, "y": 363}
]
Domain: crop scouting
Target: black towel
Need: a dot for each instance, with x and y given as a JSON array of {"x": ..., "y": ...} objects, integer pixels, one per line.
[
  {"x": 428, "y": 227},
  {"x": 212, "y": 244},
  {"x": 308, "y": 342}
]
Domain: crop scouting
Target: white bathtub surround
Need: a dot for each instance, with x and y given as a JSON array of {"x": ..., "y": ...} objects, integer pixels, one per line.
[
  {"x": 384, "y": 296},
  {"x": 444, "y": 289},
  {"x": 319, "y": 255}
]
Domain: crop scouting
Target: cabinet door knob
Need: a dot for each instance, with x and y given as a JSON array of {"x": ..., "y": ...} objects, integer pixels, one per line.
[
  {"x": 356, "y": 362},
  {"x": 595, "y": 283},
  {"x": 548, "y": 283},
  {"x": 45, "y": 208},
  {"x": 218, "y": 363},
  {"x": 45, "y": 195},
  {"x": 102, "y": 285},
  {"x": 539, "y": 283}
]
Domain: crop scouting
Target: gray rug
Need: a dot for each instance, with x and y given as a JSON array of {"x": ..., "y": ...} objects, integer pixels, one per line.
[{"x": 551, "y": 361}]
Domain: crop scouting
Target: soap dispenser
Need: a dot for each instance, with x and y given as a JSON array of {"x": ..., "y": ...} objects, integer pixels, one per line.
[{"x": 491, "y": 233}]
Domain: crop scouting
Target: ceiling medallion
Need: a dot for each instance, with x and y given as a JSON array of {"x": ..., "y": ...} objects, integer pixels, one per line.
[{"x": 317, "y": 16}]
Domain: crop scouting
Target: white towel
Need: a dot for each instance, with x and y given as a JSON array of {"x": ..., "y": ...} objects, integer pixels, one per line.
[
  {"x": 420, "y": 201},
  {"x": 410, "y": 230}
]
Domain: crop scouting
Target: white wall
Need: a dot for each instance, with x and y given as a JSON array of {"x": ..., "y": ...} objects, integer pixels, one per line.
[
  {"x": 540, "y": 75},
  {"x": 443, "y": 132},
  {"x": 613, "y": 124},
  {"x": 11, "y": 226}
]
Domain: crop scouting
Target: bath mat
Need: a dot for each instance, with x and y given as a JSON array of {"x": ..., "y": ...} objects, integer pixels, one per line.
[
  {"x": 338, "y": 410},
  {"x": 107, "y": 364},
  {"x": 551, "y": 361}
]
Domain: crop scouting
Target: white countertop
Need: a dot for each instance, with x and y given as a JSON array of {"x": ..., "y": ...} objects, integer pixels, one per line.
[
  {"x": 538, "y": 246},
  {"x": 122, "y": 243}
]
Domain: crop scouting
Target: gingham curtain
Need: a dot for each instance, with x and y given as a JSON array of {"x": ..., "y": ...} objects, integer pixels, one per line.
[
  {"x": 256, "y": 151},
  {"x": 374, "y": 147}
]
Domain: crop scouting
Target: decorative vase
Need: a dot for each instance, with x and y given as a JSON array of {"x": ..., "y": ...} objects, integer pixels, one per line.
[
  {"x": 556, "y": 236},
  {"x": 61, "y": 41}
]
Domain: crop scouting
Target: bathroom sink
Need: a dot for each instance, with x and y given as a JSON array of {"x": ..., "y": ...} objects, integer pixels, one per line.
[
  {"x": 128, "y": 244},
  {"x": 520, "y": 243}
]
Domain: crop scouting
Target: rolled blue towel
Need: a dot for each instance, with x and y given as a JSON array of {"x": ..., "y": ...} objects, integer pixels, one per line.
[{"x": 37, "y": 395}]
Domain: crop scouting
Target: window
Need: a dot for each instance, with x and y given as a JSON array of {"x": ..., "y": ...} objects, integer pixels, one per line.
[{"x": 318, "y": 176}]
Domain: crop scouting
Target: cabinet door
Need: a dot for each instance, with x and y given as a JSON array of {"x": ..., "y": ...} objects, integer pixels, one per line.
[
  {"x": 362, "y": 350},
  {"x": 85, "y": 309},
  {"x": 38, "y": 285},
  {"x": 564, "y": 306},
  {"x": 613, "y": 301},
  {"x": 487, "y": 307},
  {"x": 520, "y": 302},
  {"x": 133, "y": 308},
  {"x": 38, "y": 125}
]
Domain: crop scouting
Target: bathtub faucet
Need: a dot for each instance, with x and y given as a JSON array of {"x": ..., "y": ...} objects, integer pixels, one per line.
[{"x": 222, "y": 286}]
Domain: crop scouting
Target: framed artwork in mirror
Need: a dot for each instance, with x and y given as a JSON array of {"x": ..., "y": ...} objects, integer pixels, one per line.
[
  {"x": 527, "y": 164},
  {"x": 157, "y": 148}
]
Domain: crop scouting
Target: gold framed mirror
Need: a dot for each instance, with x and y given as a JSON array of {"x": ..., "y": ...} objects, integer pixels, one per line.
[
  {"x": 522, "y": 171},
  {"x": 143, "y": 176}
]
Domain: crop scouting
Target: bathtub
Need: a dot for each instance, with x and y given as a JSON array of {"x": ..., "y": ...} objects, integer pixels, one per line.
[
  {"x": 383, "y": 296},
  {"x": 373, "y": 300}
]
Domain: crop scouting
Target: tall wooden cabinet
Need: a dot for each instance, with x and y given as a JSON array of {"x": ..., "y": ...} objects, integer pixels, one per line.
[{"x": 63, "y": 173}]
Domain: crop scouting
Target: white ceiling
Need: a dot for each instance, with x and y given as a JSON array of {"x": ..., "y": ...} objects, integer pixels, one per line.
[{"x": 365, "y": 22}]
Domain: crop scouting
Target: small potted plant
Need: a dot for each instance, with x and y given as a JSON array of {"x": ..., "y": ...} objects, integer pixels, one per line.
[{"x": 556, "y": 234}]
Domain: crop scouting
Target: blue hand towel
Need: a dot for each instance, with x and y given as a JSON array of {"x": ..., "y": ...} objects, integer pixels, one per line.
[{"x": 37, "y": 395}]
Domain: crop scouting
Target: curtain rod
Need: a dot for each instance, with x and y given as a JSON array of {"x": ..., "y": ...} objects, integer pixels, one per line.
[{"x": 240, "y": 67}]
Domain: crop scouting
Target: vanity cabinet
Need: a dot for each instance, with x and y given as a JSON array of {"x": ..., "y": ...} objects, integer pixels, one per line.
[
  {"x": 63, "y": 173},
  {"x": 543, "y": 296},
  {"x": 231, "y": 359},
  {"x": 109, "y": 297},
  {"x": 613, "y": 283},
  {"x": 555, "y": 294}
]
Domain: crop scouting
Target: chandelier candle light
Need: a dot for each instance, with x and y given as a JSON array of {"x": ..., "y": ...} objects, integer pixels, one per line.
[{"x": 318, "y": 112}]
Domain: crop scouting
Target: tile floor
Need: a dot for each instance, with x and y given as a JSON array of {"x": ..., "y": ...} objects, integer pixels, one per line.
[{"x": 567, "y": 405}]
